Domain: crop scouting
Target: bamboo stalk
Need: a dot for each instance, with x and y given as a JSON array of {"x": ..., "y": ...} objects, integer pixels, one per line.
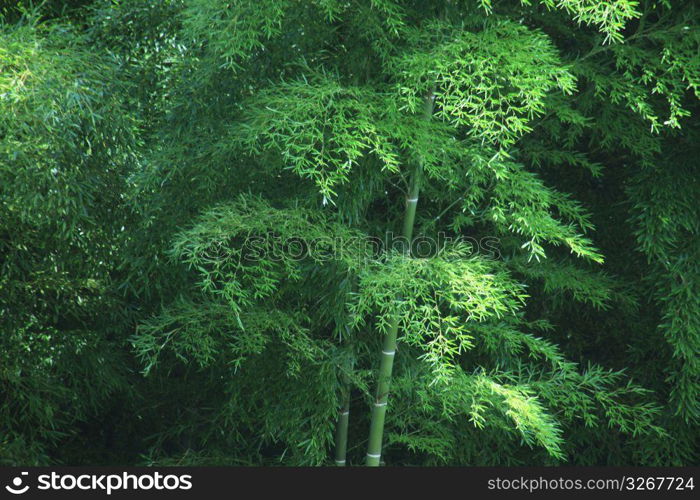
[
  {"x": 341, "y": 430},
  {"x": 386, "y": 365}
]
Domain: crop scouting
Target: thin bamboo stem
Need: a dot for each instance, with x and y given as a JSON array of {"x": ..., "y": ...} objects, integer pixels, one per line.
[
  {"x": 386, "y": 365},
  {"x": 341, "y": 432}
]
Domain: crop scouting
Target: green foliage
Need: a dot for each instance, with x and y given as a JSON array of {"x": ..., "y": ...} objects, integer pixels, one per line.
[
  {"x": 440, "y": 297},
  {"x": 65, "y": 146},
  {"x": 234, "y": 30},
  {"x": 492, "y": 81},
  {"x": 320, "y": 129},
  {"x": 667, "y": 221},
  {"x": 193, "y": 195}
]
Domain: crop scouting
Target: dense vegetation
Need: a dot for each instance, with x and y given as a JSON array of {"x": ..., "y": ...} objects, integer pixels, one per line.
[{"x": 207, "y": 209}]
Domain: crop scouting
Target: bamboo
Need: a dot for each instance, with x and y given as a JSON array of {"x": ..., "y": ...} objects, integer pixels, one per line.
[
  {"x": 386, "y": 365},
  {"x": 341, "y": 430}
]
